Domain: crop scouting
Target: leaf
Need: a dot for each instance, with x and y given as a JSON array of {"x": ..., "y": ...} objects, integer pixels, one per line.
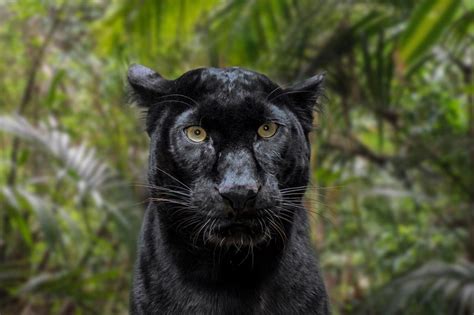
[
  {"x": 16, "y": 216},
  {"x": 452, "y": 284},
  {"x": 79, "y": 159},
  {"x": 430, "y": 19},
  {"x": 44, "y": 279},
  {"x": 49, "y": 224}
]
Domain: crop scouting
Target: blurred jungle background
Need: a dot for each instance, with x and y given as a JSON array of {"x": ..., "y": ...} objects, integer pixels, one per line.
[{"x": 393, "y": 153}]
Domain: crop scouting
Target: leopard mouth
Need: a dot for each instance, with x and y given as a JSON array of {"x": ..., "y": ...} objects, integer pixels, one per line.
[{"x": 240, "y": 234}]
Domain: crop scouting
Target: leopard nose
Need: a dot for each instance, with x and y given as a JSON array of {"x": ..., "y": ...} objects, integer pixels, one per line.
[{"x": 240, "y": 198}]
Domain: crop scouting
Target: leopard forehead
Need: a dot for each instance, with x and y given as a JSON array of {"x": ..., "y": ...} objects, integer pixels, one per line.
[{"x": 231, "y": 82}]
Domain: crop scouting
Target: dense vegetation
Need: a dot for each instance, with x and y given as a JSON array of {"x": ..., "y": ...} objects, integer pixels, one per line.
[{"x": 393, "y": 153}]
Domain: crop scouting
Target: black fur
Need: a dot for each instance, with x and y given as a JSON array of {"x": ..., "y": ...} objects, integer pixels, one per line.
[{"x": 200, "y": 253}]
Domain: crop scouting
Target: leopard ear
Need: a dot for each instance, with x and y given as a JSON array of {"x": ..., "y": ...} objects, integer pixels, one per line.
[
  {"x": 146, "y": 85},
  {"x": 304, "y": 97}
]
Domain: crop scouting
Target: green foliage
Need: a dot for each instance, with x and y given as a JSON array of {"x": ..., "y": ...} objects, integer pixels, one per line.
[
  {"x": 392, "y": 195},
  {"x": 426, "y": 25},
  {"x": 450, "y": 283}
]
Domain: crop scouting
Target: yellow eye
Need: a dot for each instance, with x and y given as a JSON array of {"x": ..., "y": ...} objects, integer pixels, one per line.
[
  {"x": 196, "y": 134},
  {"x": 267, "y": 130}
]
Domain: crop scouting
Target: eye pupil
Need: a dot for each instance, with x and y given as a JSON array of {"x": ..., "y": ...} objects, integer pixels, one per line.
[
  {"x": 196, "y": 133},
  {"x": 266, "y": 127}
]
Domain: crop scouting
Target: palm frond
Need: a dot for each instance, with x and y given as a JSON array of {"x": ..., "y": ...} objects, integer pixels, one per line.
[
  {"x": 77, "y": 158},
  {"x": 450, "y": 284}
]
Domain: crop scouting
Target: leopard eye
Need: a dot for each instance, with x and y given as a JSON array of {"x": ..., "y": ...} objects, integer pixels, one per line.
[
  {"x": 267, "y": 130},
  {"x": 196, "y": 133}
]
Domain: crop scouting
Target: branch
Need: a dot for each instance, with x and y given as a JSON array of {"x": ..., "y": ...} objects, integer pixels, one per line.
[{"x": 352, "y": 146}]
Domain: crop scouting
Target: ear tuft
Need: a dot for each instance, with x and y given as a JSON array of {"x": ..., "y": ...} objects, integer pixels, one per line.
[
  {"x": 305, "y": 98},
  {"x": 145, "y": 85}
]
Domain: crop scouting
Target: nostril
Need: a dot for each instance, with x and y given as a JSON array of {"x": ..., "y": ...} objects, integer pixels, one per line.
[
  {"x": 253, "y": 191},
  {"x": 229, "y": 209},
  {"x": 228, "y": 200},
  {"x": 250, "y": 202}
]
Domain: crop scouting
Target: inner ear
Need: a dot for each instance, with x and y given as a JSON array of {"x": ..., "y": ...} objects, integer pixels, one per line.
[
  {"x": 304, "y": 99},
  {"x": 146, "y": 85}
]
